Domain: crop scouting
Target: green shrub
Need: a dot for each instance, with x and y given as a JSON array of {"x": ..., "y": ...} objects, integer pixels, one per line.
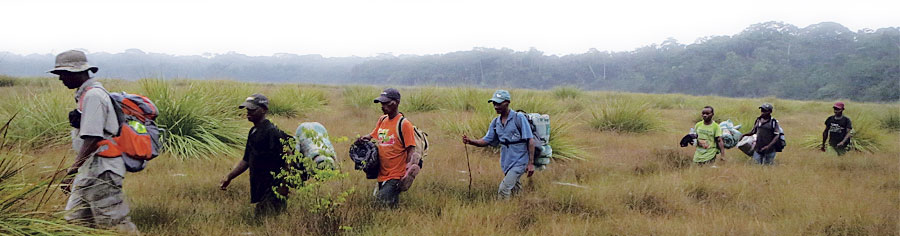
[
  {"x": 624, "y": 117},
  {"x": 198, "y": 122},
  {"x": 315, "y": 194},
  {"x": 566, "y": 92}
]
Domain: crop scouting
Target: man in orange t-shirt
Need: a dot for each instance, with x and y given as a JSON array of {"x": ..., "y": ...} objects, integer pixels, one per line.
[{"x": 399, "y": 162}]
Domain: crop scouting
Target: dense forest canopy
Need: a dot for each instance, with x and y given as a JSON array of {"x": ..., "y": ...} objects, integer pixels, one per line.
[{"x": 821, "y": 61}]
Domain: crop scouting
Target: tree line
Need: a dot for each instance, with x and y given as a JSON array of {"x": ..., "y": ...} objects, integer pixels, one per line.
[{"x": 821, "y": 61}]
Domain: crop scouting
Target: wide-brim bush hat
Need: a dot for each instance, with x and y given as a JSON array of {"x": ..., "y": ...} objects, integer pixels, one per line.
[{"x": 72, "y": 61}]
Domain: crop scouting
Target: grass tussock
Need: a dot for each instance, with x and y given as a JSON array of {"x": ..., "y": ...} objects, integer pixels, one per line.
[
  {"x": 468, "y": 99},
  {"x": 532, "y": 102},
  {"x": 624, "y": 117},
  {"x": 295, "y": 101},
  {"x": 199, "y": 122},
  {"x": 891, "y": 120},
  {"x": 672, "y": 158},
  {"x": 648, "y": 204},
  {"x": 563, "y": 140},
  {"x": 360, "y": 97},
  {"x": 8, "y": 81},
  {"x": 22, "y": 199},
  {"x": 42, "y": 121},
  {"x": 421, "y": 100},
  {"x": 567, "y": 92}
]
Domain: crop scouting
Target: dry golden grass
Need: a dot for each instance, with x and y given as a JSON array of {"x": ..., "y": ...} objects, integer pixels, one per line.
[{"x": 629, "y": 184}]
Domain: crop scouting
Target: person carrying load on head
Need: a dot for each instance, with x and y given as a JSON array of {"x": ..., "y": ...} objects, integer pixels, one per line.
[
  {"x": 839, "y": 128},
  {"x": 513, "y": 133},
  {"x": 399, "y": 161},
  {"x": 263, "y": 156},
  {"x": 96, "y": 198}
]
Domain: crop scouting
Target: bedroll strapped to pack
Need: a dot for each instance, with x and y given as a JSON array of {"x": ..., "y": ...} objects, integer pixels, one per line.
[
  {"x": 312, "y": 141},
  {"x": 138, "y": 139},
  {"x": 540, "y": 129}
]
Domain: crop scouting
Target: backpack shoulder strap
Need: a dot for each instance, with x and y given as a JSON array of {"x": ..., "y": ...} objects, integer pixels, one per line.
[
  {"x": 516, "y": 121},
  {"x": 380, "y": 120},
  {"x": 400, "y": 131}
]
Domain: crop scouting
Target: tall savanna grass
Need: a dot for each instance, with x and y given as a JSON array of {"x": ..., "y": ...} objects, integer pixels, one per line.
[
  {"x": 534, "y": 102},
  {"x": 199, "y": 121},
  {"x": 625, "y": 117},
  {"x": 42, "y": 119},
  {"x": 468, "y": 99},
  {"x": 421, "y": 100},
  {"x": 567, "y": 92},
  {"x": 360, "y": 97},
  {"x": 563, "y": 140},
  {"x": 22, "y": 199},
  {"x": 8, "y": 81},
  {"x": 293, "y": 101},
  {"x": 891, "y": 120}
]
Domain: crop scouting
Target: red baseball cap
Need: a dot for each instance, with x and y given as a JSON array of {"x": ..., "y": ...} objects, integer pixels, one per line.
[{"x": 839, "y": 105}]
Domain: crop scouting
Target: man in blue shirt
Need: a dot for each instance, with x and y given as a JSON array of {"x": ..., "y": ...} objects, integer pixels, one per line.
[{"x": 512, "y": 131}]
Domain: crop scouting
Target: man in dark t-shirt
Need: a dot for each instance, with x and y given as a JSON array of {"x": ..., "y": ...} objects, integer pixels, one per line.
[
  {"x": 838, "y": 127},
  {"x": 768, "y": 132},
  {"x": 263, "y": 156}
]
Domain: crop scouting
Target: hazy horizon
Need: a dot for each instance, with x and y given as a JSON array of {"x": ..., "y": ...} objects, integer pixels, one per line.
[{"x": 370, "y": 28}]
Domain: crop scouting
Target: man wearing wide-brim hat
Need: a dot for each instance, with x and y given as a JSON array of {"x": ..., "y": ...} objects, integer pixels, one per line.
[{"x": 96, "y": 198}]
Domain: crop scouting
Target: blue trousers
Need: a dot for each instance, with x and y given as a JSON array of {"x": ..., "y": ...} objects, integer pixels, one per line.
[{"x": 764, "y": 159}]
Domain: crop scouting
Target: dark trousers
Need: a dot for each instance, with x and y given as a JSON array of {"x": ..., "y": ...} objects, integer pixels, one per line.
[
  {"x": 841, "y": 150},
  {"x": 388, "y": 193},
  {"x": 270, "y": 205},
  {"x": 710, "y": 161}
]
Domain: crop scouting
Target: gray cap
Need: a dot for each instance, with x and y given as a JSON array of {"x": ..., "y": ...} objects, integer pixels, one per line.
[
  {"x": 387, "y": 95},
  {"x": 255, "y": 101},
  {"x": 72, "y": 61},
  {"x": 767, "y": 107},
  {"x": 500, "y": 96}
]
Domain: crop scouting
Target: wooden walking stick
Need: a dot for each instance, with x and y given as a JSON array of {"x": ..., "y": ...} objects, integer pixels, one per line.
[{"x": 470, "y": 168}]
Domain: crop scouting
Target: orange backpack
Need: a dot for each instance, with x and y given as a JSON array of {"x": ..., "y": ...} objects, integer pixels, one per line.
[{"x": 138, "y": 139}]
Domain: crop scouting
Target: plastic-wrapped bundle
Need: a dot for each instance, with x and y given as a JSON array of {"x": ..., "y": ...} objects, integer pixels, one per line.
[
  {"x": 730, "y": 134},
  {"x": 313, "y": 142}
]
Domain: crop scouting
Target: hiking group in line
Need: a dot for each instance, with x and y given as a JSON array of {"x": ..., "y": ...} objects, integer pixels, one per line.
[{"x": 122, "y": 124}]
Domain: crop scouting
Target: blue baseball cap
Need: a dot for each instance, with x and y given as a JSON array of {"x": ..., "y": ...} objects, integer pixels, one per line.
[{"x": 500, "y": 96}]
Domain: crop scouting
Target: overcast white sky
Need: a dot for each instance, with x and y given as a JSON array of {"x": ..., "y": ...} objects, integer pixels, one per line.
[{"x": 336, "y": 28}]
